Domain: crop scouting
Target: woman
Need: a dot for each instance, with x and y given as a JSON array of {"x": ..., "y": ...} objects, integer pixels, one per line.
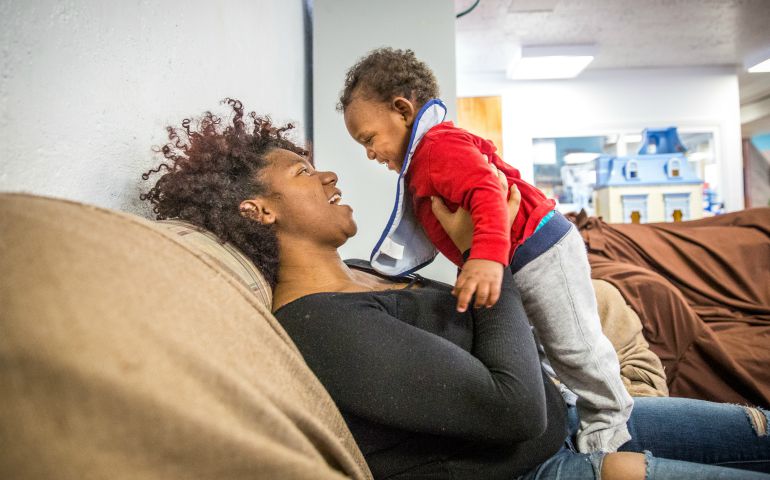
[{"x": 426, "y": 391}]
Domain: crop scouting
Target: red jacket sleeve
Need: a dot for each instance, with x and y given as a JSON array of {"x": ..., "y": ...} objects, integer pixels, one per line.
[{"x": 462, "y": 177}]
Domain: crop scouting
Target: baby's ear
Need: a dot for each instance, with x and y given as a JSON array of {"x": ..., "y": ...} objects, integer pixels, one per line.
[{"x": 405, "y": 108}]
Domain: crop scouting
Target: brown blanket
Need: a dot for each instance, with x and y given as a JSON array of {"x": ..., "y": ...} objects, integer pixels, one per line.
[{"x": 702, "y": 291}]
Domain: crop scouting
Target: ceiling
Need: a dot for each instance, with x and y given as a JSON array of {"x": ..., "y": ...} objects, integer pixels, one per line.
[{"x": 628, "y": 33}]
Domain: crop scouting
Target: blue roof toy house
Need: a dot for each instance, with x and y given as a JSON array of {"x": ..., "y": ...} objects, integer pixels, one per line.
[{"x": 655, "y": 185}]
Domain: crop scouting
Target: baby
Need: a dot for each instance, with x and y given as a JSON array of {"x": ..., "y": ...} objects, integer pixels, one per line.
[{"x": 390, "y": 107}]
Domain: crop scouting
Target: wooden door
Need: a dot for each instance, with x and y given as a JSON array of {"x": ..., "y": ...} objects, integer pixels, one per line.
[{"x": 482, "y": 116}]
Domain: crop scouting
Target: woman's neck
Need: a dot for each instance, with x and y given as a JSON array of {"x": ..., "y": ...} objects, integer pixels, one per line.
[{"x": 306, "y": 269}]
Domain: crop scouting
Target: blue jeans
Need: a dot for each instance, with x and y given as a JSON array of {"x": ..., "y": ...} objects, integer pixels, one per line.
[{"x": 672, "y": 432}]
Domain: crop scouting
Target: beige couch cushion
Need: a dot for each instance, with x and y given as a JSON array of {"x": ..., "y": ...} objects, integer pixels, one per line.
[
  {"x": 124, "y": 353},
  {"x": 226, "y": 255},
  {"x": 641, "y": 370}
]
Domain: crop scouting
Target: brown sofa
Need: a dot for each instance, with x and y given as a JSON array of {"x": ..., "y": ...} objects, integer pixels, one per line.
[
  {"x": 146, "y": 350},
  {"x": 702, "y": 291}
]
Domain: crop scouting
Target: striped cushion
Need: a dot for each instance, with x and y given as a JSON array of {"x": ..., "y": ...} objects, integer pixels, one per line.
[{"x": 225, "y": 254}]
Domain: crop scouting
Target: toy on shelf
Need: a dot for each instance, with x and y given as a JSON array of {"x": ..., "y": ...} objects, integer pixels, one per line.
[{"x": 656, "y": 185}]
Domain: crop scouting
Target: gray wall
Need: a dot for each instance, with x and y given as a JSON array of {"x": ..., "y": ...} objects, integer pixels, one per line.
[
  {"x": 344, "y": 31},
  {"x": 757, "y": 166},
  {"x": 87, "y": 87}
]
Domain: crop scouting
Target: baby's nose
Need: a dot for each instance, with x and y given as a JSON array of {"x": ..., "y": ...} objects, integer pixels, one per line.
[{"x": 370, "y": 153}]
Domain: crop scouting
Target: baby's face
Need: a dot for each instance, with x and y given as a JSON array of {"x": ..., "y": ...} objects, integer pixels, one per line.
[{"x": 381, "y": 129}]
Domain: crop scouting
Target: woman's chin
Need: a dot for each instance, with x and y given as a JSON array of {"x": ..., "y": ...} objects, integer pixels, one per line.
[
  {"x": 353, "y": 230},
  {"x": 350, "y": 231}
]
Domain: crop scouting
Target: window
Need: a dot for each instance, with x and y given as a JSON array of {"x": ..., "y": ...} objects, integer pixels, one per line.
[
  {"x": 673, "y": 168},
  {"x": 574, "y": 185},
  {"x": 634, "y": 208},
  {"x": 677, "y": 206},
  {"x": 632, "y": 170},
  {"x": 564, "y": 169}
]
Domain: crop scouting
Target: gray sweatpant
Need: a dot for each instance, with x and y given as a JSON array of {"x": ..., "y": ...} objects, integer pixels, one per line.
[{"x": 556, "y": 289}]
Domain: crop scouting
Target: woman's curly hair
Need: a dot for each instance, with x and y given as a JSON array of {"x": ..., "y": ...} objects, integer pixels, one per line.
[
  {"x": 386, "y": 73},
  {"x": 210, "y": 169}
]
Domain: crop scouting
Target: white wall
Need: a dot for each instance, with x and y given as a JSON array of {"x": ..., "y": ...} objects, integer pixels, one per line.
[
  {"x": 87, "y": 87},
  {"x": 599, "y": 102},
  {"x": 343, "y": 32}
]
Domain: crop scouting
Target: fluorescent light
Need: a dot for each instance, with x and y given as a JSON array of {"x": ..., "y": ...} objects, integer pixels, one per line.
[
  {"x": 542, "y": 68},
  {"x": 758, "y": 62},
  {"x": 550, "y": 62},
  {"x": 761, "y": 67}
]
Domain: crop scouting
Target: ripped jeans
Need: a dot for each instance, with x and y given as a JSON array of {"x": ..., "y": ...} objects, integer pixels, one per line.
[{"x": 681, "y": 439}]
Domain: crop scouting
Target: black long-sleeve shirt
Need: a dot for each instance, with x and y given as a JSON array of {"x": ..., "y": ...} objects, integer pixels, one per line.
[{"x": 428, "y": 392}]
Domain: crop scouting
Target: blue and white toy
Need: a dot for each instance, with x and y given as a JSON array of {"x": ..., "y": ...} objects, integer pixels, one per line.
[{"x": 657, "y": 184}]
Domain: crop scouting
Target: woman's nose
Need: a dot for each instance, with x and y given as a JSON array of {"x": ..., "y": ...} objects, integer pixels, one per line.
[{"x": 328, "y": 178}]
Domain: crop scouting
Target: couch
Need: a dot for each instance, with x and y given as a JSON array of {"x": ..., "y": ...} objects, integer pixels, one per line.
[
  {"x": 147, "y": 350},
  {"x": 128, "y": 352},
  {"x": 702, "y": 291}
]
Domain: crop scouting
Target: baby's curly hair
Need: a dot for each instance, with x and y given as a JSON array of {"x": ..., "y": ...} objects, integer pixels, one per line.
[
  {"x": 386, "y": 73},
  {"x": 210, "y": 169}
]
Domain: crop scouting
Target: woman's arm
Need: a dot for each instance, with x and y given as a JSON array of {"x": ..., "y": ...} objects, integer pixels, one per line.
[{"x": 379, "y": 368}]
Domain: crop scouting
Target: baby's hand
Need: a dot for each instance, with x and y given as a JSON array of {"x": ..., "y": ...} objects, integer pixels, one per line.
[{"x": 479, "y": 276}]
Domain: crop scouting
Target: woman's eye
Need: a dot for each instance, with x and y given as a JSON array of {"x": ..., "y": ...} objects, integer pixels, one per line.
[{"x": 304, "y": 171}]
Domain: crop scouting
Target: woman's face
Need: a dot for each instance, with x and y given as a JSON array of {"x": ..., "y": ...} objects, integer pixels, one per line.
[{"x": 306, "y": 203}]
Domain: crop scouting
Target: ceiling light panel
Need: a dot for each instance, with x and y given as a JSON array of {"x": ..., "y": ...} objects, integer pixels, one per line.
[{"x": 551, "y": 62}]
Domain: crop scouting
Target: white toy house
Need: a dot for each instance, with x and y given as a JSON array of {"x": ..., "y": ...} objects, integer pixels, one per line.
[{"x": 655, "y": 185}]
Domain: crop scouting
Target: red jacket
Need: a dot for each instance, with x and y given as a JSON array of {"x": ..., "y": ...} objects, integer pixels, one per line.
[{"x": 449, "y": 163}]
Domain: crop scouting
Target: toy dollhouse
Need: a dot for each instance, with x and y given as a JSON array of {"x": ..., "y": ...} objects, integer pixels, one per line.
[{"x": 655, "y": 185}]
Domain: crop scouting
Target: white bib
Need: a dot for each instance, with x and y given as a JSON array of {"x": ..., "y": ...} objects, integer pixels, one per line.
[{"x": 403, "y": 246}]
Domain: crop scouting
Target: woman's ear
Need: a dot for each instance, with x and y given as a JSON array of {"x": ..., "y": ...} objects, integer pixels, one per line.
[
  {"x": 405, "y": 108},
  {"x": 259, "y": 210}
]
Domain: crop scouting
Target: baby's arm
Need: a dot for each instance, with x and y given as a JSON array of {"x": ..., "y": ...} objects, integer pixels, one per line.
[
  {"x": 459, "y": 227},
  {"x": 480, "y": 277},
  {"x": 460, "y": 174}
]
